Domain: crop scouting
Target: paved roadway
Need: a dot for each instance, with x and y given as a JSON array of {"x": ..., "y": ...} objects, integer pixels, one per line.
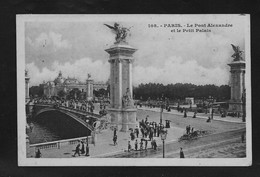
[{"x": 189, "y": 147}]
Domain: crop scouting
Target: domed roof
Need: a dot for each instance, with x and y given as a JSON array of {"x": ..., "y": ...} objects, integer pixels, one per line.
[{"x": 59, "y": 79}]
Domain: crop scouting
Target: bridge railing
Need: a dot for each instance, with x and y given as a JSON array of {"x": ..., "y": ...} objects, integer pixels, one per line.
[
  {"x": 78, "y": 111},
  {"x": 61, "y": 143}
]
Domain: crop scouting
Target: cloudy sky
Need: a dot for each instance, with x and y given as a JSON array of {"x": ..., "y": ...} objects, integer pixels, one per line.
[{"x": 76, "y": 47}]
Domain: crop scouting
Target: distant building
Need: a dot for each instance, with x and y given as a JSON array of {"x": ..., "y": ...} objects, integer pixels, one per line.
[{"x": 52, "y": 88}]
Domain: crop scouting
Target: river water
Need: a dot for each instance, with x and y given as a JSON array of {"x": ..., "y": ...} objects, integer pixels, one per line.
[{"x": 52, "y": 126}]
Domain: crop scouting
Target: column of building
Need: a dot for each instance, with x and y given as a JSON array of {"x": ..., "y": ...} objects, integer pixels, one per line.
[{"x": 130, "y": 80}]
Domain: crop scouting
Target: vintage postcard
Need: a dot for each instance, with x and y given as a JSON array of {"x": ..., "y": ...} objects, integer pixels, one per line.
[{"x": 134, "y": 90}]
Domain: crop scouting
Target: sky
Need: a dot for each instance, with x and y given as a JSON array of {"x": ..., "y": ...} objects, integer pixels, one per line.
[{"x": 77, "y": 47}]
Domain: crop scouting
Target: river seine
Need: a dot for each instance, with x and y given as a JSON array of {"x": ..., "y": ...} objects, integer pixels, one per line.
[{"x": 53, "y": 126}]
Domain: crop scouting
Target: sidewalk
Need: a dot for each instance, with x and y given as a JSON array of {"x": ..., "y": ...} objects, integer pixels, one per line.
[
  {"x": 105, "y": 146},
  {"x": 199, "y": 115}
]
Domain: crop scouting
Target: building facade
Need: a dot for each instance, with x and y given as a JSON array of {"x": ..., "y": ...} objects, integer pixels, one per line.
[{"x": 62, "y": 84}]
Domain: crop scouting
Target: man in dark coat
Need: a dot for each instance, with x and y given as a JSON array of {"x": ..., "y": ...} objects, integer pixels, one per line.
[
  {"x": 114, "y": 131},
  {"x": 181, "y": 153},
  {"x": 38, "y": 154},
  {"x": 136, "y": 145},
  {"x": 129, "y": 146},
  {"x": 82, "y": 148},
  {"x": 77, "y": 150},
  {"x": 185, "y": 113},
  {"x": 115, "y": 140},
  {"x": 137, "y": 131},
  {"x": 87, "y": 150},
  {"x": 155, "y": 145}
]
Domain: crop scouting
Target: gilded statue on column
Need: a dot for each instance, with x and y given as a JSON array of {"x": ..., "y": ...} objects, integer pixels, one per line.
[
  {"x": 238, "y": 53},
  {"x": 120, "y": 31}
]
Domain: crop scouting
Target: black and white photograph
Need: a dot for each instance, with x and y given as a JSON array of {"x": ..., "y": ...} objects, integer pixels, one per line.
[{"x": 134, "y": 90}]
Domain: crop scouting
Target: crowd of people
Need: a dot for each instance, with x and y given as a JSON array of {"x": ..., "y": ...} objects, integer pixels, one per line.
[
  {"x": 189, "y": 129},
  {"x": 147, "y": 131},
  {"x": 83, "y": 105}
]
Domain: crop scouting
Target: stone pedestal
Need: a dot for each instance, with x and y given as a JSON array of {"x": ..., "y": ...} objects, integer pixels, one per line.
[
  {"x": 89, "y": 89},
  {"x": 237, "y": 84},
  {"x": 123, "y": 119},
  {"x": 121, "y": 59}
]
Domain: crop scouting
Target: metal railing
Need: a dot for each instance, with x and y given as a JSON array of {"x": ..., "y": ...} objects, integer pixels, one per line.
[
  {"x": 78, "y": 111},
  {"x": 61, "y": 143}
]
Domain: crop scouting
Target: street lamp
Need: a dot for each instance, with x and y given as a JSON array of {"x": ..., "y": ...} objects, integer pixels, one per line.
[
  {"x": 161, "y": 105},
  {"x": 211, "y": 100},
  {"x": 163, "y": 137},
  {"x": 161, "y": 112}
]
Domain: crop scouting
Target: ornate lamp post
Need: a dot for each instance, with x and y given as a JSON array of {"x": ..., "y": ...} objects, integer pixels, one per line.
[
  {"x": 163, "y": 137},
  {"x": 211, "y": 101},
  {"x": 161, "y": 105}
]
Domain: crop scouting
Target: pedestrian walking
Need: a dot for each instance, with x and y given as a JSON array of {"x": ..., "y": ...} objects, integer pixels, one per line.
[
  {"x": 141, "y": 145},
  {"x": 129, "y": 146},
  {"x": 142, "y": 132},
  {"x": 114, "y": 131},
  {"x": 195, "y": 113},
  {"x": 155, "y": 145},
  {"x": 192, "y": 129},
  {"x": 189, "y": 129},
  {"x": 158, "y": 131},
  {"x": 115, "y": 140},
  {"x": 38, "y": 154},
  {"x": 82, "y": 148},
  {"x": 150, "y": 135},
  {"x": 87, "y": 150},
  {"x": 181, "y": 153},
  {"x": 136, "y": 145},
  {"x": 146, "y": 119},
  {"x": 137, "y": 131},
  {"x": 132, "y": 135},
  {"x": 185, "y": 113},
  {"x": 145, "y": 145},
  {"x": 77, "y": 150}
]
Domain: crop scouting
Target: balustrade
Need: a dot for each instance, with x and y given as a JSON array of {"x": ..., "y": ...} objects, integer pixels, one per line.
[{"x": 60, "y": 143}]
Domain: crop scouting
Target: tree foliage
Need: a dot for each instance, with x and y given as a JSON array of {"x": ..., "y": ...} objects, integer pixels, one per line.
[
  {"x": 181, "y": 91},
  {"x": 36, "y": 91},
  {"x": 61, "y": 93}
]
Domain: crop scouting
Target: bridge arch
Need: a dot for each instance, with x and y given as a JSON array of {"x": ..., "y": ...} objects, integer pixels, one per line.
[{"x": 71, "y": 115}]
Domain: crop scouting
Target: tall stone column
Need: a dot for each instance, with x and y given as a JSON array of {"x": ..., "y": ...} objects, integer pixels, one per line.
[
  {"x": 130, "y": 81},
  {"x": 237, "y": 70},
  {"x": 89, "y": 89},
  {"x": 123, "y": 115}
]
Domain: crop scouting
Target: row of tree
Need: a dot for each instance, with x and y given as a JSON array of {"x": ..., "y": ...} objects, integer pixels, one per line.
[
  {"x": 155, "y": 91},
  {"x": 181, "y": 91}
]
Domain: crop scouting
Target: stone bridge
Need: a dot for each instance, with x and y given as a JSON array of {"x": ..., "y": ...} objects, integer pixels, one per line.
[{"x": 87, "y": 119}]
